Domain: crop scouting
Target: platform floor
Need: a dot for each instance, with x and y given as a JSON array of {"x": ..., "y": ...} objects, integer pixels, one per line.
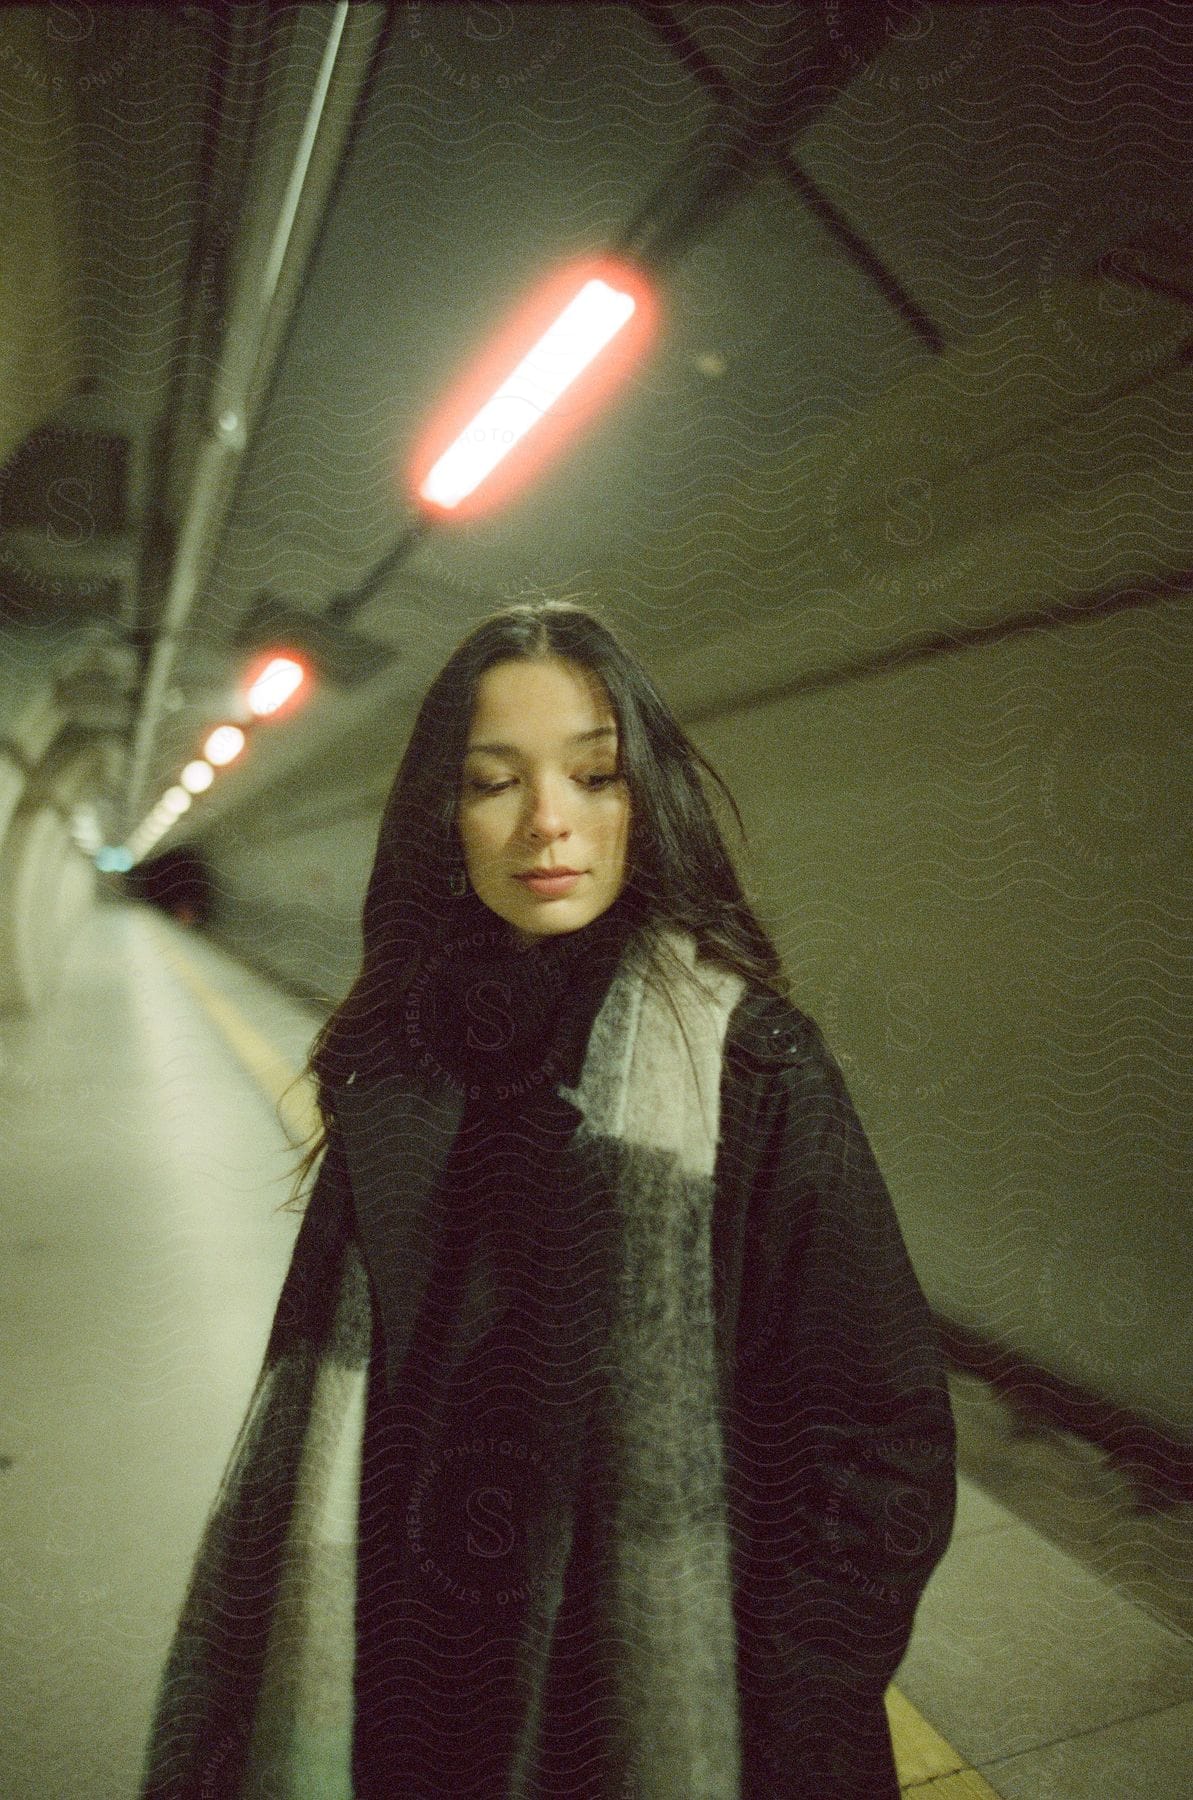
[{"x": 141, "y": 1163}]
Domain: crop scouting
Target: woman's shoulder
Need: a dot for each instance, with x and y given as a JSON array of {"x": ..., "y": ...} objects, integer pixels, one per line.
[{"x": 768, "y": 1032}]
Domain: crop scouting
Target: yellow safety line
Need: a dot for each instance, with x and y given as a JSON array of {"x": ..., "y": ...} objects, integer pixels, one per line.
[
  {"x": 268, "y": 1068},
  {"x": 927, "y": 1763}
]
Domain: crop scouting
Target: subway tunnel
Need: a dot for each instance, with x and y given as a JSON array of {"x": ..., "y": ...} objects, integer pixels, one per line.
[{"x": 893, "y": 506}]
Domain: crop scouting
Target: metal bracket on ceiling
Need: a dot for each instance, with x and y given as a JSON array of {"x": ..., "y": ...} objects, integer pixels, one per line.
[{"x": 770, "y": 130}]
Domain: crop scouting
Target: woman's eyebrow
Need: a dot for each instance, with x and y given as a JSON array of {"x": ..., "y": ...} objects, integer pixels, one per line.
[{"x": 577, "y": 737}]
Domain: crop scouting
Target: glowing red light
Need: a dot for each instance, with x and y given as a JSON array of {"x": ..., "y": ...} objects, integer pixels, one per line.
[
  {"x": 557, "y": 359},
  {"x": 275, "y": 684}
]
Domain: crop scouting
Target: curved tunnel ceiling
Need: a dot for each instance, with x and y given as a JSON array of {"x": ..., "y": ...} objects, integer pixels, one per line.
[{"x": 968, "y": 238}]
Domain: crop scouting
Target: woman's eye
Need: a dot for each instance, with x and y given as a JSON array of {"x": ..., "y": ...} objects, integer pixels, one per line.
[{"x": 592, "y": 782}]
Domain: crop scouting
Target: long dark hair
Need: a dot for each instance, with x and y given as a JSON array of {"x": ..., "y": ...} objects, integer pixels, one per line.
[{"x": 678, "y": 872}]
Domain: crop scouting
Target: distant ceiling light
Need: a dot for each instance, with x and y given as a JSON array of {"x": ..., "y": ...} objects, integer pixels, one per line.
[
  {"x": 230, "y": 427},
  {"x": 710, "y": 363},
  {"x": 548, "y": 369},
  {"x": 114, "y": 859},
  {"x": 225, "y": 742},
  {"x": 279, "y": 679},
  {"x": 174, "y": 801},
  {"x": 85, "y": 829},
  {"x": 150, "y": 839},
  {"x": 197, "y": 777}
]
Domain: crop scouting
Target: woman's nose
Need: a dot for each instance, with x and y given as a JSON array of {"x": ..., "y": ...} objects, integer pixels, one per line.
[{"x": 545, "y": 811}]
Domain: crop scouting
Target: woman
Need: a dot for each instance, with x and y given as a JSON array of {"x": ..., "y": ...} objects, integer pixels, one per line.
[{"x": 602, "y": 1445}]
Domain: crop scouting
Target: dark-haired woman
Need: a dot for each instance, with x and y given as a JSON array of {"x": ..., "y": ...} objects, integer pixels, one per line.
[{"x": 602, "y": 1445}]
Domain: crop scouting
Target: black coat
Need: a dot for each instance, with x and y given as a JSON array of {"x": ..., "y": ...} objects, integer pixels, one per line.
[
  {"x": 840, "y": 1445},
  {"x": 840, "y": 1435}
]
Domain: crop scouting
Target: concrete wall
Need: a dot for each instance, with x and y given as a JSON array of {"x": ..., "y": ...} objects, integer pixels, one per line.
[
  {"x": 289, "y": 900},
  {"x": 977, "y": 870},
  {"x": 47, "y": 884},
  {"x": 39, "y": 329}
]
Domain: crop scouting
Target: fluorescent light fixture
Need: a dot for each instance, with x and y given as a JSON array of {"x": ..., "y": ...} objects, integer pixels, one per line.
[
  {"x": 225, "y": 742},
  {"x": 197, "y": 777},
  {"x": 563, "y": 352},
  {"x": 280, "y": 678},
  {"x": 274, "y": 684},
  {"x": 570, "y": 343}
]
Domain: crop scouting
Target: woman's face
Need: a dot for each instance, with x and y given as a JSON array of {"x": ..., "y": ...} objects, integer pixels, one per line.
[{"x": 542, "y": 797}]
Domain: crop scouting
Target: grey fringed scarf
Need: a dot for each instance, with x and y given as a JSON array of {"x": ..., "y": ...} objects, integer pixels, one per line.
[{"x": 257, "y": 1695}]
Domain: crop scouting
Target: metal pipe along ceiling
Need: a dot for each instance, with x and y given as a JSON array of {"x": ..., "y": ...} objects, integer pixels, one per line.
[{"x": 229, "y": 436}]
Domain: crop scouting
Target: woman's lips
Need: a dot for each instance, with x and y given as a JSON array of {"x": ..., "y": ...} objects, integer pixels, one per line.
[{"x": 549, "y": 887}]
